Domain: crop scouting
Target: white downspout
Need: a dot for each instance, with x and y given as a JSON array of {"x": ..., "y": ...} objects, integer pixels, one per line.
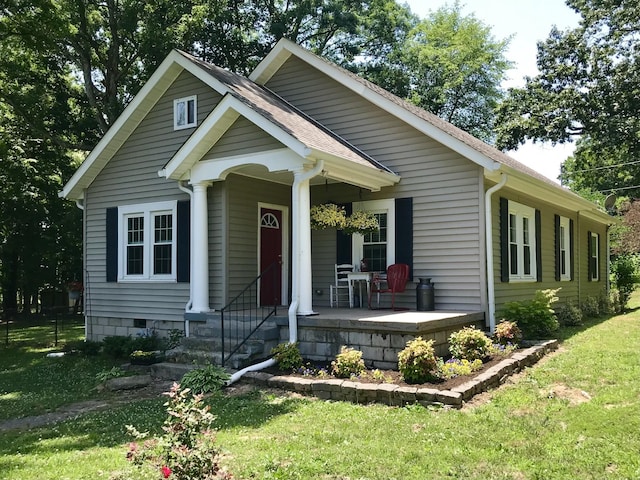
[
  {"x": 187, "y": 307},
  {"x": 295, "y": 267},
  {"x": 488, "y": 232}
]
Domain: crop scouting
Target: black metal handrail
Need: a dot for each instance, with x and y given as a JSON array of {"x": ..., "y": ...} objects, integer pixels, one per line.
[{"x": 246, "y": 313}]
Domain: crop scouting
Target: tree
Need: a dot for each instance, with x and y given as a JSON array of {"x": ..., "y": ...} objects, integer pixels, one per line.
[
  {"x": 450, "y": 65},
  {"x": 588, "y": 89}
]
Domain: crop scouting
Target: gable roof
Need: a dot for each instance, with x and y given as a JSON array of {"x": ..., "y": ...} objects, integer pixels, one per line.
[
  {"x": 280, "y": 119},
  {"x": 492, "y": 160}
]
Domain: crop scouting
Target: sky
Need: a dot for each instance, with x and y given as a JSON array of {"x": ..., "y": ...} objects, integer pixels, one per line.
[{"x": 528, "y": 21}]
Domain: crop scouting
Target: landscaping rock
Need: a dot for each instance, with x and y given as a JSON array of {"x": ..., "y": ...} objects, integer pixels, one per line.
[{"x": 128, "y": 383}]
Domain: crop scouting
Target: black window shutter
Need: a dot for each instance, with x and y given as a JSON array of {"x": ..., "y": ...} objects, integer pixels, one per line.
[
  {"x": 343, "y": 241},
  {"x": 112, "y": 244},
  {"x": 589, "y": 269},
  {"x": 538, "y": 246},
  {"x": 504, "y": 240},
  {"x": 183, "y": 240},
  {"x": 404, "y": 232},
  {"x": 571, "y": 250},
  {"x": 556, "y": 220}
]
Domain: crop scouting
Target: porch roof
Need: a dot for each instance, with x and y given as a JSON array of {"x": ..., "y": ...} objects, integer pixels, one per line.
[{"x": 307, "y": 138}]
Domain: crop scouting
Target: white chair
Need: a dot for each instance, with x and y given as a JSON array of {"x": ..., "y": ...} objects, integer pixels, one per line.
[{"x": 341, "y": 286}]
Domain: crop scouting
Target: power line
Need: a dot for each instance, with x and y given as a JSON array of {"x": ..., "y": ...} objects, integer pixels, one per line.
[
  {"x": 617, "y": 189},
  {"x": 635, "y": 162}
]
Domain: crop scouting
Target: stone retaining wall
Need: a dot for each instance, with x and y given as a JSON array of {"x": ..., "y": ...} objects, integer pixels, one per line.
[{"x": 396, "y": 395}]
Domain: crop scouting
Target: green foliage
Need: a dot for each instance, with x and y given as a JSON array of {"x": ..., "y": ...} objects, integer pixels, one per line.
[
  {"x": 117, "y": 346},
  {"x": 535, "y": 317},
  {"x": 569, "y": 314},
  {"x": 113, "y": 372},
  {"x": 287, "y": 356},
  {"x": 141, "y": 357},
  {"x": 362, "y": 223},
  {"x": 507, "y": 332},
  {"x": 348, "y": 363},
  {"x": 328, "y": 215},
  {"x": 207, "y": 379},
  {"x": 174, "y": 337},
  {"x": 87, "y": 348},
  {"x": 455, "y": 367},
  {"x": 469, "y": 344},
  {"x": 590, "y": 307},
  {"x": 417, "y": 361},
  {"x": 624, "y": 276},
  {"x": 187, "y": 449}
]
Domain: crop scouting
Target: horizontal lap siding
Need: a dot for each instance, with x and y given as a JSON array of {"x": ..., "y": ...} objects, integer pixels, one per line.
[
  {"x": 242, "y": 138},
  {"x": 131, "y": 177},
  {"x": 244, "y": 194},
  {"x": 444, "y": 186},
  {"x": 575, "y": 290}
]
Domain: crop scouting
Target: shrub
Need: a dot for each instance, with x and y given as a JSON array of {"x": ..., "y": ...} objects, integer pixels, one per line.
[
  {"x": 148, "y": 343},
  {"x": 287, "y": 356},
  {"x": 205, "y": 380},
  {"x": 174, "y": 336},
  {"x": 118, "y": 347},
  {"x": 139, "y": 357},
  {"x": 87, "y": 348},
  {"x": 469, "y": 344},
  {"x": 624, "y": 276},
  {"x": 187, "y": 448},
  {"x": 455, "y": 367},
  {"x": 348, "y": 363},
  {"x": 569, "y": 315},
  {"x": 417, "y": 361},
  {"x": 508, "y": 333},
  {"x": 535, "y": 317},
  {"x": 590, "y": 307}
]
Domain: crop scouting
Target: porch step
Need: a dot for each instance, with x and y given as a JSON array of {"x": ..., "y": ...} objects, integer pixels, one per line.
[
  {"x": 203, "y": 351},
  {"x": 171, "y": 371}
]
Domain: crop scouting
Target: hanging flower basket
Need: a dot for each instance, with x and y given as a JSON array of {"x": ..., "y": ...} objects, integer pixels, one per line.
[{"x": 330, "y": 215}]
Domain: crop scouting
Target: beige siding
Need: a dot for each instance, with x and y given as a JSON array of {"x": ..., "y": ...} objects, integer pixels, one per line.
[
  {"x": 445, "y": 188},
  {"x": 575, "y": 290},
  {"x": 243, "y": 196},
  {"x": 129, "y": 178}
]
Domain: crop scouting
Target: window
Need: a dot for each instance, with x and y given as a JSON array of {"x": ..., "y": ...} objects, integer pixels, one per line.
[
  {"x": 378, "y": 248},
  {"x": 564, "y": 248},
  {"x": 522, "y": 242},
  {"x": 149, "y": 242},
  {"x": 185, "y": 114},
  {"x": 594, "y": 256}
]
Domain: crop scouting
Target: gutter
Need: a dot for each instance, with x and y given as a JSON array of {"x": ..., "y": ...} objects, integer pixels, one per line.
[
  {"x": 187, "y": 307},
  {"x": 295, "y": 293},
  {"x": 488, "y": 231}
]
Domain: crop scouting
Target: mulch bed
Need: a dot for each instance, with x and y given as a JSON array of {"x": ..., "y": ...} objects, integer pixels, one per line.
[{"x": 392, "y": 376}]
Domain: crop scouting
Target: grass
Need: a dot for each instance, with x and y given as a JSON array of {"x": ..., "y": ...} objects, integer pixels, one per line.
[{"x": 574, "y": 415}]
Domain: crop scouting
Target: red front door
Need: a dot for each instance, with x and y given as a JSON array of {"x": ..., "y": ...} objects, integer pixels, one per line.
[{"x": 271, "y": 256}]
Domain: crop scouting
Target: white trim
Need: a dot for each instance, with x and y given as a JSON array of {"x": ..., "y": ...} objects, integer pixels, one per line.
[
  {"x": 387, "y": 206},
  {"x": 565, "y": 246},
  {"x": 176, "y": 110},
  {"x": 284, "y": 227},
  {"x": 147, "y": 211},
  {"x": 522, "y": 212}
]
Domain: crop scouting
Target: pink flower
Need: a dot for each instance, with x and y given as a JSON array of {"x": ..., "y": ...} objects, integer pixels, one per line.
[{"x": 166, "y": 471}]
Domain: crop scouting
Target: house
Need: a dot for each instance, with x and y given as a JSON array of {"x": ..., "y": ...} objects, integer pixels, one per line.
[{"x": 207, "y": 178}]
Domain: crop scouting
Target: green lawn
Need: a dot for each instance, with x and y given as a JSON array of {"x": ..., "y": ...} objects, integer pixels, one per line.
[{"x": 574, "y": 415}]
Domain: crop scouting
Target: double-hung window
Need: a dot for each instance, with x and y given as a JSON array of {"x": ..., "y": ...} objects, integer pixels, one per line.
[
  {"x": 185, "y": 112},
  {"x": 377, "y": 248},
  {"x": 564, "y": 248},
  {"x": 148, "y": 239},
  {"x": 594, "y": 256},
  {"x": 522, "y": 242}
]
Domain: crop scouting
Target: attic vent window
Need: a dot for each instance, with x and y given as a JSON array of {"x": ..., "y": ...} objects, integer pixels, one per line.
[{"x": 185, "y": 112}]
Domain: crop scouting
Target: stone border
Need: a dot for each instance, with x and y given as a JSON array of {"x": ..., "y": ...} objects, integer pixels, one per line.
[{"x": 395, "y": 395}]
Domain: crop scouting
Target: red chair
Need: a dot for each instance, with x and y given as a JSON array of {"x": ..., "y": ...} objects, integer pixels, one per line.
[{"x": 396, "y": 282}]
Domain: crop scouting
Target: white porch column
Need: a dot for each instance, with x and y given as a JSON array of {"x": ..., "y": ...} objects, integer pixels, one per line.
[
  {"x": 301, "y": 239},
  {"x": 200, "y": 253}
]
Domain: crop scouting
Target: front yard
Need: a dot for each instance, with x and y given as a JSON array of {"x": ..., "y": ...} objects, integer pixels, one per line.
[{"x": 575, "y": 414}]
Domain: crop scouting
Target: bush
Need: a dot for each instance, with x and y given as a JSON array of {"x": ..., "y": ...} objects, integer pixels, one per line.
[
  {"x": 624, "y": 276},
  {"x": 187, "y": 448},
  {"x": 417, "y": 361},
  {"x": 287, "y": 356},
  {"x": 86, "y": 348},
  {"x": 174, "y": 337},
  {"x": 117, "y": 347},
  {"x": 569, "y": 315},
  {"x": 535, "y": 317},
  {"x": 139, "y": 357},
  {"x": 148, "y": 343},
  {"x": 508, "y": 333},
  {"x": 590, "y": 307},
  {"x": 348, "y": 363},
  {"x": 205, "y": 380},
  {"x": 469, "y": 344}
]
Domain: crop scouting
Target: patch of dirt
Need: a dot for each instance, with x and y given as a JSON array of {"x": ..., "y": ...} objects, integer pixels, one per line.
[{"x": 563, "y": 392}]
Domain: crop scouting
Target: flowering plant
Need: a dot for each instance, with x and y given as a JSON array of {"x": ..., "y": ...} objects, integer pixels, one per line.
[
  {"x": 362, "y": 223},
  {"x": 330, "y": 215}
]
